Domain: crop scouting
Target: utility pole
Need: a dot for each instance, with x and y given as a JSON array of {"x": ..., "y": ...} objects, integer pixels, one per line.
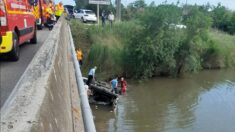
[
  {"x": 118, "y": 10},
  {"x": 98, "y": 14}
]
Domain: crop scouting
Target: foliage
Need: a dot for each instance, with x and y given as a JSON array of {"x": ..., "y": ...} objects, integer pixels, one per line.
[
  {"x": 81, "y": 3},
  {"x": 223, "y": 19},
  {"x": 221, "y": 51},
  {"x": 151, "y": 50}
]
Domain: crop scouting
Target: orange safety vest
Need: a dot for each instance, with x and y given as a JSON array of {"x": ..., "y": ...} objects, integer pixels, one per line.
[
  {"x": 48, "y": 12},
  {"x": 52, "y": 7},
  {"x": 59, "y": 9},
  {"x": 79, "y": 54}
]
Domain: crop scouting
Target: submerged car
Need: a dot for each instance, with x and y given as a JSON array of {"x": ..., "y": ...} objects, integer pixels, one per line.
[{"x": 85, "y": 15}]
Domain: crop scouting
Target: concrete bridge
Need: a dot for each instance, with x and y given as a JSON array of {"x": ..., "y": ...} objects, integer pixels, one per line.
[{"x": 50, "y": 95}]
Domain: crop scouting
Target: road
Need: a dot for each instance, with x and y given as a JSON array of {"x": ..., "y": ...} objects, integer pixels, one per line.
[{"x": 10, "y": 72}]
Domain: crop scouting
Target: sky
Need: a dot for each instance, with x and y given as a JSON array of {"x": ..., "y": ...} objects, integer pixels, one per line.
[
  {"x": 66, "y": 2},
  {"x": 227, "y": 3}
]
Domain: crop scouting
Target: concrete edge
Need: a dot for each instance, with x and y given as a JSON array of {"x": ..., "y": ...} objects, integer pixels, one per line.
[{"x": 78, "y": 125}]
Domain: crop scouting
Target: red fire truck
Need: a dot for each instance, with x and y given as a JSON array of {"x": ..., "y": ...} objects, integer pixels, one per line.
[{"x": 17, "y": 25}]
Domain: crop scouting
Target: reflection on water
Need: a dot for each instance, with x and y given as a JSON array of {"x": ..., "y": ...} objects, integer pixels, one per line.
[{"x": 203, "y": 102}]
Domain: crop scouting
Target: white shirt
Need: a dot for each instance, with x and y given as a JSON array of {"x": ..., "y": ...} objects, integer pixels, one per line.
[
  {"x": 111, "y": 17},
  {"x": 92, "y": 72}
]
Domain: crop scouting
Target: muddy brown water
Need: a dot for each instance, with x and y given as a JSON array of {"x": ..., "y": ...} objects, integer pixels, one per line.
[{"x": 202, "y": 102}]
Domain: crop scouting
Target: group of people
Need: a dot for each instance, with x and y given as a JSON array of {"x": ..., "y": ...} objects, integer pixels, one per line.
[
  {"x": 115, "y": 83},
  {"x": 109, "y": 16},
  {"x": 119, "y": 85},
  {"x": 53, "y": 13}
]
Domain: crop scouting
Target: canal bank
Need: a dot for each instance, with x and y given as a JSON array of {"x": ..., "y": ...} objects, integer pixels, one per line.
[{"x": 197, "y": 102}]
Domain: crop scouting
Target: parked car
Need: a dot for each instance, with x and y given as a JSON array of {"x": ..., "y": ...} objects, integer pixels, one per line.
[{"x": 85, "y": 15}]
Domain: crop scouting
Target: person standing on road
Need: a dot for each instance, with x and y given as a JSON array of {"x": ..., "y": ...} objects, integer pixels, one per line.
[
  {"x": 49, "y": 17},
  {"x": 114, "y": 84},
  {"x": 59, "y": 10},
  {"x": 111, "y": 18},
  {"x": 91, "y": 75},
  {"x": 123, "y": 85},
  {"x": 79, "y": 56},
  {"x": 103, "y": 18}
]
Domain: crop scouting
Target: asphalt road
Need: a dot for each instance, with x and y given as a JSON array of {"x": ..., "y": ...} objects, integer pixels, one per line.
[{"x": 10, "y": 72}]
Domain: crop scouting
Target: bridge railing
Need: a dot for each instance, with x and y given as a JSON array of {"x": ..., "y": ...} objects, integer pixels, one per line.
[{"x": 86, "y": 110}]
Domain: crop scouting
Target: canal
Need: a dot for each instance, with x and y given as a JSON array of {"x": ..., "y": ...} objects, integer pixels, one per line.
[{"x": 202, "y": 102}]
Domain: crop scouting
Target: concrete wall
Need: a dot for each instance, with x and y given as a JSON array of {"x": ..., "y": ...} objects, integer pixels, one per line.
[{"x": 46, "y": 99}]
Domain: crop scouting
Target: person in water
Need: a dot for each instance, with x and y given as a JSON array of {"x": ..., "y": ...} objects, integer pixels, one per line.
[
  {"x": 123, "y": 85},
  {"x": 114, "y": 84}
]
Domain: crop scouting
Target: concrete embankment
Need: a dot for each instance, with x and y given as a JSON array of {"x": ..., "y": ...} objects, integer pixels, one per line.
[{"x": 46, "y": 97}]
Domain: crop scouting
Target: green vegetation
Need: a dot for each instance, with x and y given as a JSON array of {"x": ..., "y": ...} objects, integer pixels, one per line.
[
  {"x": 223, "y": 19},
  {"x": 220, "y": 53},
  {"x": 103, "y": 47},
  {"x": 152, "y": 44}
]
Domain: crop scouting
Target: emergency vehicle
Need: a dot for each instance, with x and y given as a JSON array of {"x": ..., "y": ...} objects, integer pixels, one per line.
[
  {"x": 40, "y": 12},
  {"x": 17, "y": 25}
]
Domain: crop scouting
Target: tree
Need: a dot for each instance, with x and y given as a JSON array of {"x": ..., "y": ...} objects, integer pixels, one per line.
[
  {"x": 81, "y": 3},
  {"x": 231, "y": 27},
  {"x": 138, "y": 4},
  {"x": 188, "y": 55},
  {"x": 220, "y": 17}
]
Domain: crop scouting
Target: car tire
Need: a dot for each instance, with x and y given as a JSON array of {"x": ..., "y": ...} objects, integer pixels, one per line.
[
  {"x": 83, "y": 20},
  {"x": 34, "y": 39},
  {"x": 14, "y": 54}
]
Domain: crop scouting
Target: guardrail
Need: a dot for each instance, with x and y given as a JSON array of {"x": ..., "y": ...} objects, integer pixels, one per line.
[{"x": 86, "y": 110}]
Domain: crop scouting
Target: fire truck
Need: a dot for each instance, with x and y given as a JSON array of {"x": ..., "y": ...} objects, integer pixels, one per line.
[
  {"x": 40, "y": 12},
  {"x": 17, "y": 25}
]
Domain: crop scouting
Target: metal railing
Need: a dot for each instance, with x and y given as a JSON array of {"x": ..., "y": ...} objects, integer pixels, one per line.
[{"x": 85, "y": 106}]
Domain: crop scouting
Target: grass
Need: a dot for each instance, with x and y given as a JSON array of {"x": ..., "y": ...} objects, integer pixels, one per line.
[
  {"x": 102, "y": 46},
  {"x": 225, "y": 45}
]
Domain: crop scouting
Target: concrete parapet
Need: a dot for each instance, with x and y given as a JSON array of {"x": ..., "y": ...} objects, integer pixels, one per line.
[{"x": 46, "y": 99}]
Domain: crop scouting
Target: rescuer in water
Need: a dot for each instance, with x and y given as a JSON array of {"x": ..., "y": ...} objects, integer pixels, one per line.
[
  {"x": 123, "y": 85},
  {"x": 59, "y": 10},
  {"x": 114, "y": 84}
]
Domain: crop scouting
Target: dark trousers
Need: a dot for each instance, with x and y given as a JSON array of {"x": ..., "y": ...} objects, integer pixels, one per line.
[
  {"x": 103, "y": 22},
  {"x": 49, "y": 23},
  {"x": 111, "y": 23},
  {"x": 57, "y": 18},
  {"x": 80, "y": 62},
  {"x": 115, "y": 90},
  {"x": 89, "y": 81}
]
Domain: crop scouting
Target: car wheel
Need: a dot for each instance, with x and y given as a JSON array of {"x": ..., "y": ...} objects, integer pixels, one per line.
[
  {"x": 83, "y": 20},
  {"x": 14, "y": 54}
]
